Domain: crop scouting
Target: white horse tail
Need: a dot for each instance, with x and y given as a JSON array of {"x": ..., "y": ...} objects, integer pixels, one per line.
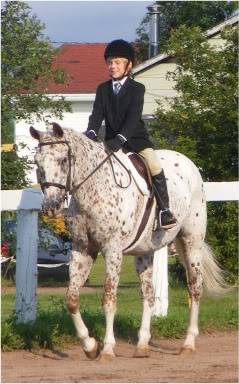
[{"x": 213, "y": 275}]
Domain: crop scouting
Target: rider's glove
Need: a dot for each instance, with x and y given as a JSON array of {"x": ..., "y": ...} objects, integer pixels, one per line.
[
  {"x": 116, "y": 143},
  {"x": 91, "y": 135}
]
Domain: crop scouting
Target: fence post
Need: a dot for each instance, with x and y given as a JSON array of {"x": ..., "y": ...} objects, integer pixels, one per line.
[
  {"x": 27, "y": 203},
  {"x": 26, "y": 265},
  {"x": 160, "y": 282}
]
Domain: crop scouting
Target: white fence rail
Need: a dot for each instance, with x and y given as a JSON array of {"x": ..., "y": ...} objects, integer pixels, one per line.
[{"x": 28, "y": 202}]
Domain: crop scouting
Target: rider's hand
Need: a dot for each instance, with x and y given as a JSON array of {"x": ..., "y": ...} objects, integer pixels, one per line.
[
  {"x": 91, "y": 135},
  {"x": 116, "y": 143}
]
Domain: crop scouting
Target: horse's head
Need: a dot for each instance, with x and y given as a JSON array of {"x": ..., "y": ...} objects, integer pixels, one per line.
[{"x": 53, "y": 160}]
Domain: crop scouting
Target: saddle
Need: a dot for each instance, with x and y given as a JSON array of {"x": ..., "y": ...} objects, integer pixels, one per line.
[{"x": 139, "y": 170}]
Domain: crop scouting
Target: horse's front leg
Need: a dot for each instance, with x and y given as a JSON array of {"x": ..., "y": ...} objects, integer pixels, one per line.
[
  {"x": 113, "y": 261},
  {"x": 144, "y": 268},
  {"x": 79, "y": 269}
]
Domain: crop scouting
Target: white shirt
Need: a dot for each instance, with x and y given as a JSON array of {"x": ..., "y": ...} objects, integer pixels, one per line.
[{"x": 122, "y": 81}]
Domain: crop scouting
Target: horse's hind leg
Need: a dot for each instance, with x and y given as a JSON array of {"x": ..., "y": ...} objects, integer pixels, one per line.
[
  {"x": 191, "y": 256},
  {"x": 144, "y": 268},
  {"x": 79, "y": 269}
]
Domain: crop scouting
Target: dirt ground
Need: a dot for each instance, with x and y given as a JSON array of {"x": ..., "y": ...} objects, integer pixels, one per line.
[{"x": 215, "y": 361}]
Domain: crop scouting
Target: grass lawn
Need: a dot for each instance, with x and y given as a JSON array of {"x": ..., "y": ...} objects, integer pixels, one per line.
[{"x": 53, "y": 325}]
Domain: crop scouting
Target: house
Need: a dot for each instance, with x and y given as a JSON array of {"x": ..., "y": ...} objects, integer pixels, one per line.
[
  {"x": 85, "y": 66},
  {"x": 153, "y": 72}
]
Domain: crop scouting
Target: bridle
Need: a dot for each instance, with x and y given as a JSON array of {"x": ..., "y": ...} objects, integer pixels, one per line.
[
  {"x": 47, "y": 184},
  {"x": 68, "y": 187}
]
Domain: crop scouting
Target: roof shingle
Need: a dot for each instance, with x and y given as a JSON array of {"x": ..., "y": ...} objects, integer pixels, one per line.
[{"x": 85, "y": 66}]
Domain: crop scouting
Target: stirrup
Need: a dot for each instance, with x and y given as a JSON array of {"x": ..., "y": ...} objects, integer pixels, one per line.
[{"x": 167, "y": 226}]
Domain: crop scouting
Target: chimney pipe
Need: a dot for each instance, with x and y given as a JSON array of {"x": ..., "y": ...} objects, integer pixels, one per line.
[{"x": 154, "y": 29}]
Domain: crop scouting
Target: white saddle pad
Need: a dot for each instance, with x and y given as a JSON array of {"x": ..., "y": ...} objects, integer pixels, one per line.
[{"x": 139, "y": 180}]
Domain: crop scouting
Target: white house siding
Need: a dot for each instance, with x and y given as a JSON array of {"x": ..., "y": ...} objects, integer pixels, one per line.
[
  {"x": 158, "y": 87},
  {"x": 216, "y": 41},
  {"x": 154, "y": 78},
  {"x": 78, "y": 120}
]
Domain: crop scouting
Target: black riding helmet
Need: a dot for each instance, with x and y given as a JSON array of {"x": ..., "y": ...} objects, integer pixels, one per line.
[{"x": 120, "y": 48}]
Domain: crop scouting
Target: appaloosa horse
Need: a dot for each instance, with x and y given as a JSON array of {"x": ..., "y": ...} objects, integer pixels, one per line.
[{"x": 104, "y": 212}]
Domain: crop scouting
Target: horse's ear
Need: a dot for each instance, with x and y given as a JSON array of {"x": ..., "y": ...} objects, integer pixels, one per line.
[
  {"x": 34, "y": 133},
  {"x": 57, "y": 130}
]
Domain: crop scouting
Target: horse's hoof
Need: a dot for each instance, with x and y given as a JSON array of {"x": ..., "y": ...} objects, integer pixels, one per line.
[
  {"x": 92, "y": 355},
  {"x": 141, "y": 352},
  {"x": 187, "y": 349},
  {"x": 106, "y": 357}
]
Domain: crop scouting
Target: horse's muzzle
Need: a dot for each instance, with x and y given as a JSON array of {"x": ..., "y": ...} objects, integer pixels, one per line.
[{"x": 53, "y": 207}]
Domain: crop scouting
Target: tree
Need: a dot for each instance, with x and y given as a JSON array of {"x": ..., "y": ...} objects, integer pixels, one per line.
[
  {"x": 14, "y": 170},
  {"x": 201, "y": 121},
  {"x": 204, "y": 14},
  {"x": 26, "y": 72}
]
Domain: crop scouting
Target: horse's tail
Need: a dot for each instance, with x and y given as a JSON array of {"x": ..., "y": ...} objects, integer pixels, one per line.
[{"x": 213, "y": 275}]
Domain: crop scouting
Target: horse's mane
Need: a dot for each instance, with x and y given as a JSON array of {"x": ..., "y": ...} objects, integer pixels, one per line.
[{"x": 79, "y": 138}]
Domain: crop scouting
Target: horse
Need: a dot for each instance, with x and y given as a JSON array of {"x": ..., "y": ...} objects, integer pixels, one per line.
[{"x": 104, "y": 211}]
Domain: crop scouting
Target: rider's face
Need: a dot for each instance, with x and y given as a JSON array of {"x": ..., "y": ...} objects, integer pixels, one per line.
[{"x": 118, "y": 67}]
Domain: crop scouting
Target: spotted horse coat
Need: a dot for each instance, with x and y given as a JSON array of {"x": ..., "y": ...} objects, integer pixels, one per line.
[{"x": 101, "y": 218}]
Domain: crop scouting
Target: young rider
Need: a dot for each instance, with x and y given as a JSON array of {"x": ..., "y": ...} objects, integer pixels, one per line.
[{"x": 119, "y": 101}]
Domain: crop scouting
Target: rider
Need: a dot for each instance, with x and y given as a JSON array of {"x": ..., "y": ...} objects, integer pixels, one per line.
[{"x": 119, "y": 101}]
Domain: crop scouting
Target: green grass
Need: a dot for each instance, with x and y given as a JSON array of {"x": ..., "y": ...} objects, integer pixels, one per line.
[
  {"x": 128, "y": 274},
  {"x": 54, "y": 327}
]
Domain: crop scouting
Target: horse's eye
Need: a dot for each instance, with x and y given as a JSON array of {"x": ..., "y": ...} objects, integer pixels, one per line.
[{"x": 64, "y": 160}]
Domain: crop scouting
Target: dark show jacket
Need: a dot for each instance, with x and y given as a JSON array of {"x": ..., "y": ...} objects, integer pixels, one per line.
[{"x": 122, "y": 113}]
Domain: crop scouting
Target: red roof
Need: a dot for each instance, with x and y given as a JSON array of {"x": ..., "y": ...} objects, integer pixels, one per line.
[{"x": 85, "y": 66}]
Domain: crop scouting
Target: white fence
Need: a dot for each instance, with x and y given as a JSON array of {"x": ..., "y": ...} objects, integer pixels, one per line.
[{"x": 28, "y": 202}]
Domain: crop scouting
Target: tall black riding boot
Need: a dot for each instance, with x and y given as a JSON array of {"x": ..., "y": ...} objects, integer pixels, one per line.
[{"x": 166, "y": 218}]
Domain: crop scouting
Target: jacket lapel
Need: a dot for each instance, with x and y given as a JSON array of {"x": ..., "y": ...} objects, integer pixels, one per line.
[{"x": 124, "y": 88}]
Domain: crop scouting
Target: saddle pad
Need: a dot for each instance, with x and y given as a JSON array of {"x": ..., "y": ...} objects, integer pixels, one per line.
[{"x": 139, "y": 180}]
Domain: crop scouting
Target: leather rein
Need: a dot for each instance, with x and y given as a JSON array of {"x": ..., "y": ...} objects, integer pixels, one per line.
[{"x": 73, "y": 189}]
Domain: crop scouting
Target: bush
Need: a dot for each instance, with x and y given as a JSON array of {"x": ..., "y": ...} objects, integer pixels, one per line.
[{"x": 222, "y": 235}]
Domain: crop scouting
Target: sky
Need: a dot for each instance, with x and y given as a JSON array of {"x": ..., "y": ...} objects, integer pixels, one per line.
[{"x": 90, "y": 21}]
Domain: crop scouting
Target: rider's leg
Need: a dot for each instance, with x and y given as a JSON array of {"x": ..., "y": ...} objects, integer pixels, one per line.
[{"x": 166, "y": 218}]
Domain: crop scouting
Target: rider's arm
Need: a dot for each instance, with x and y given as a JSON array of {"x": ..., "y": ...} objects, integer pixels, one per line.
[
  {"x": 97, "y": 116},
  {"x": 134, "y": 113}
]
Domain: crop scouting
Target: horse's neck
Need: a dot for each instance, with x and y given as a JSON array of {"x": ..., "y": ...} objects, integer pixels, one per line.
[{"x": 87, "y": 157}]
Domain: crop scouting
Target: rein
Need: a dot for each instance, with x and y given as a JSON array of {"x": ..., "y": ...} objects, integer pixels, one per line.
[{"x": 67, "y": 187}]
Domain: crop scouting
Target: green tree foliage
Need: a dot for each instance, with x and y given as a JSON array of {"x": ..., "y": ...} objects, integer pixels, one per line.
[
  {"x": 14, "y": 170},
  {"x": 27, "y": 64},
  {"x": 202, "y": 119},
  {"x": 204, "y": 14},
  {"x": 26, "y": 73},
  {"x": 201, "y": 122}
]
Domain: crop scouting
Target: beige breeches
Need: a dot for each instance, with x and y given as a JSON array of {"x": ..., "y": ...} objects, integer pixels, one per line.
[{"x": 150, "y": 156}]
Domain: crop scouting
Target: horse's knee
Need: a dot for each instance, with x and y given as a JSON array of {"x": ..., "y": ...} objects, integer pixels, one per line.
[
  {"x": 109, "y": 297},
  {"x": 72, "y": 302}
]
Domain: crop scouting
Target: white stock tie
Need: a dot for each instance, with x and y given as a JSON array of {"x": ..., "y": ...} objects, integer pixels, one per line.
[{"x": 117, "y": 87}]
